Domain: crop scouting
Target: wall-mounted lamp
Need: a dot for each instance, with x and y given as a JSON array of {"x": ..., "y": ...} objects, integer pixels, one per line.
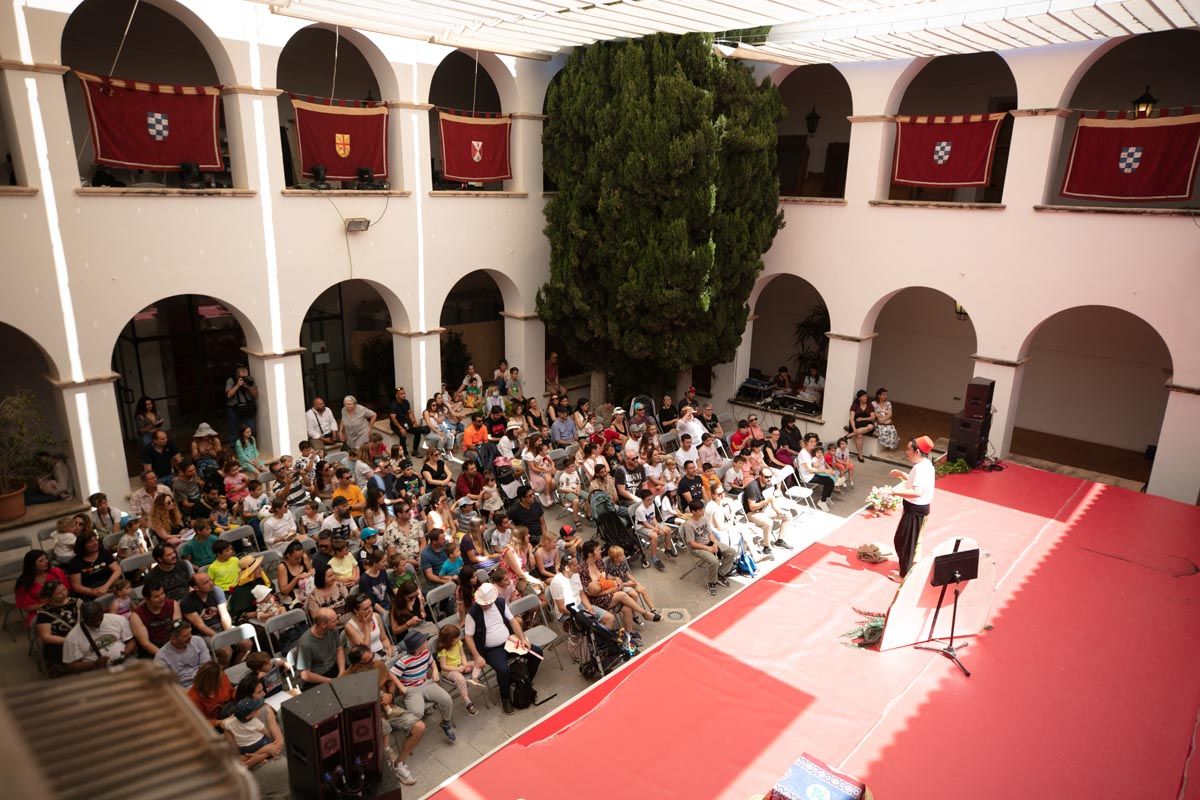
[
  {"x": 960, "y": 312},
  {"x": 1145, "y": 104},
  {"x": 812, "y": 119}
]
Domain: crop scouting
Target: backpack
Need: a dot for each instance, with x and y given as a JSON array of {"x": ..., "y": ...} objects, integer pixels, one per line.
[
  {"x": 523, "y": 693},
  {"x": 745, "y": 563}
]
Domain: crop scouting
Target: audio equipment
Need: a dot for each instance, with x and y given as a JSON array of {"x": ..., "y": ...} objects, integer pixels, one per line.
[
  {"x": 312, "y": 729},
  {"x": 790, "y": 403},
  {"x": 970, "y": 451},
  {"x": 361, "y": 726},
  {"x": 978, "y": 401},
  {"x": 969, "y": 438}
]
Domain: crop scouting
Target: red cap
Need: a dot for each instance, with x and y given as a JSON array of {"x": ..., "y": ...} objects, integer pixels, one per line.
[
  {"x": 924, "y": 444},
  {"x": 692, "y": 389}
]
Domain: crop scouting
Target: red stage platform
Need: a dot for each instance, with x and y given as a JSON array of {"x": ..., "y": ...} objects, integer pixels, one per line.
[{"x": 1087, "y": 687}]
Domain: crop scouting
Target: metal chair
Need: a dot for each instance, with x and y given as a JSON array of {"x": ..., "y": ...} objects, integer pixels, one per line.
[
  {"x": 232, "y": 637},
  {"x": 132, "y": 565},
  {"x": 112, "y": 540},
  {"x": 15, "y": 544},
  {"x": 543, "y": 636},
  {"x": 45, "y": 539},
  {"x": 669, "y": 441},
  {"x": 236, "y": 672},
  {"x": 309, "y": 545},
  {"x": 270, "y": 560},
  {"x": 339, "y": 458},
  {"x": 572, "y": 449},
  {"x": 559, "y": 456},
  {"x": 283, "y": 622},
  {"x": 438, "y": 595},
  {"x": 242, "y": 538}
]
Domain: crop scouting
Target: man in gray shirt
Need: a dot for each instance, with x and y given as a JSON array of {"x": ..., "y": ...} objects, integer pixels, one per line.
[
  {"x": 713, "y": 556},
  {"x": 318, "y": 657},
  {"x": 184, "y": 653}
]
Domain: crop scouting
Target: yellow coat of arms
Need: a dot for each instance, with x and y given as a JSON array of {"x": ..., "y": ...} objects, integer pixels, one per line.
[{"x": 341, "y": 142}]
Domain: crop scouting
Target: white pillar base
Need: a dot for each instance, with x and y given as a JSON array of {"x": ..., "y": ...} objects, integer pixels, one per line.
[{"x": 1176, "y": 472}]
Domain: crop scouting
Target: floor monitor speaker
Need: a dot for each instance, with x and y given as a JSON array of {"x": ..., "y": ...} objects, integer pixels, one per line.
[
  {"x": 978, "y": 402},
  {"x": 363, "y": 742},
  {"x": 312, "y": 731}
]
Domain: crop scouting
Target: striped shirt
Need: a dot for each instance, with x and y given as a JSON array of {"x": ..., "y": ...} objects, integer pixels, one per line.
[{"x": 413, "y": 670}]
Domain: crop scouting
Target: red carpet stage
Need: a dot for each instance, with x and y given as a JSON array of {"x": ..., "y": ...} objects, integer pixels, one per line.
[{"x": 1087, "y": 687}]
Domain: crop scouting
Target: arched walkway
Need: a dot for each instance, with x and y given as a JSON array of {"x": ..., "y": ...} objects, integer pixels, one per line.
[
  {"x": 460, "y": 82},
  {"x": 814, "y": 137},
  {"x": 790, "y": 323},
  {"x": 28, "y": 367},
  {"x": 1167, "y": 63},
  {"x": 307, "y": 67},
  {"x": 922, "y": 356},
  {"x": 166, "y": 43},
  {"x": 1093, "y": 391},
  {"x": 975, "y": 83},
  {"x": 348, "y": 348},
  {"x": 179, "y": 352},
  {"x": 472, "y": 314}
]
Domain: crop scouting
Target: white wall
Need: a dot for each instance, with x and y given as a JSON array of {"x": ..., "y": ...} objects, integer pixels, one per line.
[
  {"x": 1096, "y": 374},
  {"x": 922, "y": 354}
]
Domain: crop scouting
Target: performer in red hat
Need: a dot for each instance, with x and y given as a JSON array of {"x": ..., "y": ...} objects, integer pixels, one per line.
[{"x": 917, "y": 491}]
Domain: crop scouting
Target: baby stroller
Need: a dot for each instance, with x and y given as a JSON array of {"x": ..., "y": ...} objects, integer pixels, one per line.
[
  {"x": 597, "y": 649},
  {"x": 612, "y": 528}
]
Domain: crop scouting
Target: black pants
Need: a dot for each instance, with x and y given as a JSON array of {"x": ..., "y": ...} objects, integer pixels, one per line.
[
  {"x": 908, "y": 534},
  {"x": 497, "y": 658},
  {"x": 826, "y": 484}
]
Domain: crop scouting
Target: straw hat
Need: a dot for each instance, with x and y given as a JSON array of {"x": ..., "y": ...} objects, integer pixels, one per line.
[
  {"x": 204, "y": 430},
  {"x": 250, "y": 567}
]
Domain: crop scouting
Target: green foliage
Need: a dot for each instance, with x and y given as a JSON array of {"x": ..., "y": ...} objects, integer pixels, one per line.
[
  {"x": 25, "y": 438},
  {"x": 375, "y": 377},
  {"x": 812, "y": 344},
  {"x": 754, "y": 36},
  {"x": 455, "y": 358},
  {"x": 956, "y": 467},
  {"x": 664, "y": 158}
]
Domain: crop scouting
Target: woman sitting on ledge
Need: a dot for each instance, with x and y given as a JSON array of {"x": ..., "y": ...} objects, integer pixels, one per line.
[
  {"x": 889, "y": 437},
  {"x": 862, "y": 420}
]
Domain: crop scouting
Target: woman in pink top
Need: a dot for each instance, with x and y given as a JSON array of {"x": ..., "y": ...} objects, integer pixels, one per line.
[{"x": 35, "y": 571}]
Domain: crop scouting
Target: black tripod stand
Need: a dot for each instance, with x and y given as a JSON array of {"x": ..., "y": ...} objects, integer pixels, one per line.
[{"x": 952, "y": 568}]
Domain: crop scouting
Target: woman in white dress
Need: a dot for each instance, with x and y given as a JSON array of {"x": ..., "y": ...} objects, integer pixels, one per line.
[{"x": 885, "y": 429}]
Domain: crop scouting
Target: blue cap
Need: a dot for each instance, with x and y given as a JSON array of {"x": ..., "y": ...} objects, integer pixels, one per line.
[{"x": 367, "y": 533}]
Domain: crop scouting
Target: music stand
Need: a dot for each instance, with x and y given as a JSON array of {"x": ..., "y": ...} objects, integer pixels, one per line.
[{"x": 953, "y": 568}]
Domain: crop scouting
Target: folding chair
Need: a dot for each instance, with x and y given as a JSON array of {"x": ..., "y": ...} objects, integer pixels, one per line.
[
  {"x": 131, "y": 567},
  {"x": 237, "y": 672},
  {"x": 572, "y": 449},
  {"x": 669, "y": 441},
  {"x": 436, "y": 596},
  {"x": 559, "y": 457},
  {"x": 270, "y": 560},
  {"x": 16, "y": 544},
  {"x": 798, "y": 492},
  {"x": 265, "y": 478},
  {"x": 233, "y": 637},
  {"x": 309, "y": 545},
  {"x": 283, "y": 622},
  {"x": 242, "y": 538},
  {"x": 541, "y": 635},
  {"x": 112, "y": 540},
  {"x": 337, "y": 459}
]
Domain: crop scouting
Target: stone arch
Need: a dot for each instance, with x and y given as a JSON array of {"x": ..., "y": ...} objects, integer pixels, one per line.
[
  {"x": 814, "y": 164},
  {"x": 792, "y": 299}
]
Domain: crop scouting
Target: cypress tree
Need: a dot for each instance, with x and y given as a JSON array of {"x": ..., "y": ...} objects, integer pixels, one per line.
[{"x": 664, "y": 158}]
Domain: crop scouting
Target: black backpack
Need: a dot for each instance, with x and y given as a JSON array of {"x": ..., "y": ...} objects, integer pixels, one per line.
[{"x": 523, "y": 693}]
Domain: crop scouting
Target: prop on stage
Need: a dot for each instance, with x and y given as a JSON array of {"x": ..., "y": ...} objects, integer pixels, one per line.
[
  {"x": 921, "y": 611},
  {"x": 1151, "y": 158},
  {"x": 809, "y": 778},
  {"x": 945, "y": 152}
]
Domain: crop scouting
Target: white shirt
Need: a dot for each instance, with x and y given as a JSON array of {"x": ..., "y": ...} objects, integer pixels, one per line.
[
  {"x": 567, "y": 589},
  {"x": 644, "y": 514},
  {"x": 496, "y": 632},
  {"x": 319, "y": 425},
  {"x": 805, "y": 462},
  {"x": 920, "y": 479},
  {"x": 110, "y": 637},
  {"x": 692, "y": 426},
  {"x": 683, "y": 456},
  {"x": 278, "y": 530}
]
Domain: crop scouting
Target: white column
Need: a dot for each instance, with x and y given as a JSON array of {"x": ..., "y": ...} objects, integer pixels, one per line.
[
  {"x": 729, "y": 376},
  {"x": 280, "y": 418},
  {"x": 868, "y": 172},
  {"x": 525, "y": 150},
  {"x": 1176, "y": 472},
  {"x": 525, "y": 348},
  {"x": 96, "y": 450},
  {"x": 1007, "y": 393},
  {"x": 849, "y": 360},
  {"x": 418, "y": 358},
  {"x": 1033, "y": 155}
]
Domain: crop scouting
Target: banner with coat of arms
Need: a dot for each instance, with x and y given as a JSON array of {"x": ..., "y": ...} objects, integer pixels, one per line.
[
  {"x": 945, "y": 152},
  {"x": 474, "y": 149},
  {"x": 342, "y": 138},
  {"x": 138, "y": 125},
  {"x": 1149, "y": 158}
]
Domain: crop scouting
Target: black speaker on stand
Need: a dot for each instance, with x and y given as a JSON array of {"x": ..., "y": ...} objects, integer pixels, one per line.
[
  {"x": 361, "y": 725},
  {"x": 312, "y": 729},
  {"x": 978, "y": 400},
  {"x": 972, "y": 426}
]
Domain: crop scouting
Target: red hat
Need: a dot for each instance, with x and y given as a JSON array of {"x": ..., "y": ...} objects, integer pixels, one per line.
[
  {"x": 691, "y": 389},
  {"x": 924, "y": 444}
]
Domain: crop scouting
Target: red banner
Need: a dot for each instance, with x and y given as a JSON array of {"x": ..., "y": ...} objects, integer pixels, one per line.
[
  {"x": 474, "y": 149},
  {"x": 1150, "y": 158},
  {"x": 343, "y": 140},
  {"x": 153, "y": 126},
  {"x": 945, "y": 152}
]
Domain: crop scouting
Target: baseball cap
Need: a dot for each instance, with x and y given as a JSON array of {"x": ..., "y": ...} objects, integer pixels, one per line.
[
  {"x": 367, "y": 533},
  {"x": 566, "y": 531}
]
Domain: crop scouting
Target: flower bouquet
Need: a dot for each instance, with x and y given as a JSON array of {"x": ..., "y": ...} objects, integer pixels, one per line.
[{"x": 882, "y": 500}]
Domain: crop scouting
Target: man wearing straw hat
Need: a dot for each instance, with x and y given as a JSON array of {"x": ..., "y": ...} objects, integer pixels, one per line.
[
  {"x": 917, "y": 491},
  {"x": 489, "y": 626}
]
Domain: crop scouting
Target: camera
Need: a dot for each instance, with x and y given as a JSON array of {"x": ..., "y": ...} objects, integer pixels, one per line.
[{"x": 248, "y": 380}]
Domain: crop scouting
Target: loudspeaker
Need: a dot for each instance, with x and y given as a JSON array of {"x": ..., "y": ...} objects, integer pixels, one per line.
[
  {"x": 361, "y": 725},
  {"x": 312, "y": 729},
  {"x": 968, "y": 439},
  {"x": 978, "y": 402}
]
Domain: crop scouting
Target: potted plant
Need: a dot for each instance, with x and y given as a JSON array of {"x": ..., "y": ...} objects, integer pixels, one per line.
[{"x": 24, "y": 439}]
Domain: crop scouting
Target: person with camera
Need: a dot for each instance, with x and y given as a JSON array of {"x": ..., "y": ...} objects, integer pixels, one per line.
[{"x": 241, "y": 400}]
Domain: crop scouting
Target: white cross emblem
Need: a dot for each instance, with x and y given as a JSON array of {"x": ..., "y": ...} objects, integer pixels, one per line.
[
  {"x": 1130, "y": 160},
  {"x": 476, "y": 151},
  {"x": 941, "y": 152},
  {"x": 157, "y": 125}
]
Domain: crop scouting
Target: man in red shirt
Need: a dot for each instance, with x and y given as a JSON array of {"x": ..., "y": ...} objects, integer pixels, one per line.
[{"x": 470, "y": 482}]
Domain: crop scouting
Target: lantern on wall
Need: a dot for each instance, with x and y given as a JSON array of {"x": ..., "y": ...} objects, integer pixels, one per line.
[
  {"x": 960, "y": 312},
  {"x": 1144, "y": 104},
  {"x": 812, "y": 119}
]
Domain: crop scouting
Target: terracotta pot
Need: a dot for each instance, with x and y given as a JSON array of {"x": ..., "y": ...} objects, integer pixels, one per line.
[{"x": 12, "y": 504}]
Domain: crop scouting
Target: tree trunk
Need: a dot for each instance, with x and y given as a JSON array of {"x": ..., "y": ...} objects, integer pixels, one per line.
[{"x": 598, "y": 391}]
